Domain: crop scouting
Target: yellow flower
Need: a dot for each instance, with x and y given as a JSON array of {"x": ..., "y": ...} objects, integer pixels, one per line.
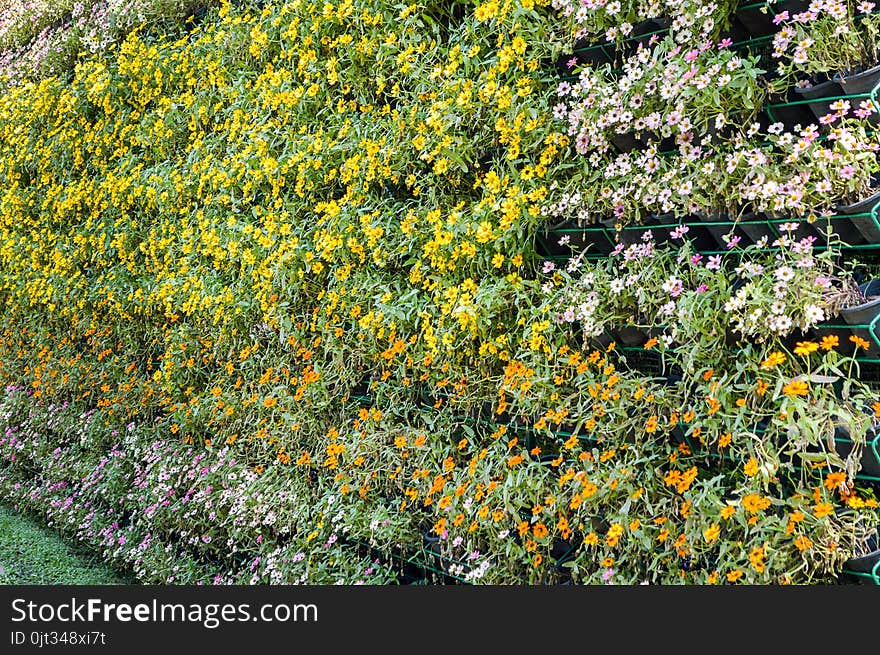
[
  {"x": 803, "y": 542},
  {"x": 774, "y": 359},
  {"x": 711, "y": 533},
  {"x": 804, "y": 348},
  {"x": 829, "y": 341},
  {"x": 756, "y": 557},
  {"x": 834, "y": 480},
  {"x": 796, "y": 388},
  {"x": 860, "y": 343},
  {"x": 751, "y": 467},
  {"x": 755, "y": 503}
]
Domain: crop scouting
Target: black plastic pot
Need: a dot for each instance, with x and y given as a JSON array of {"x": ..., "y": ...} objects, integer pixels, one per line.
[
  {"x": 792, "y": 116},
  {"x": 627, "y": 142},
  {"x": 630, "y": 335},
  {"x": 858, "y": 83},
  {"x": 870, "y": 459},
  {"x": 580, "y": 237},
  {"x": 641, "y": 34},
  {"x": 865, "y": 315},
  {"x": 755, "y": 22},
  {"x": 866, "y": 567},
  {"x": 854, "y": 83},
  {"x": 431, "y": 543},
  {"x": 755, "y": 227},
  {"x": 718, "y": 232},
  {"x": 593, "y": 54},
  {"x": 821, "y": 95},
  {"x": 791, "y": 6},
  {"x": 866, "y": 225}
]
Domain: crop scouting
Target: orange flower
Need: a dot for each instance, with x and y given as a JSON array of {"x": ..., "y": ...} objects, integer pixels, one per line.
[
  {"x": 796, "y": 388},
  {"x": 711, "y": 533},
  {"x": 860, "y": 343},
  {"x": 823, "y": 509},
  {"x": 834, "y": 480},
  {"x": 805, "y": 348},
  {"x": 803, "y": 542},
  {"x": 829, "y": 341},
  {"x": 774, "y": 359},
  {"x": 751, "y": 467},
  {"x": 755, "y": 503},
  {"x": 756, "y": 557},
  {"x": 650, "y": 343}
]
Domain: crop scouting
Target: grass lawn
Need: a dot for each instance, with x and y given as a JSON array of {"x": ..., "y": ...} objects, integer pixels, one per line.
[{"x": 31, "y": 553}]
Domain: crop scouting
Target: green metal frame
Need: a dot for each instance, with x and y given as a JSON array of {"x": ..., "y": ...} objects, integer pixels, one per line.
[{"x": 870, "y": 578}]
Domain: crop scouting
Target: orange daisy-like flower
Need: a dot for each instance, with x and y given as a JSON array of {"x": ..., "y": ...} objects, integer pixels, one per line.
[
  {"x": 829, "y": 341},
  {"x": 774, "y": 359},
  {"x": 805, "y": 348},
  {"x": 834, "y": 480},
  {"x": 803, "y": 542},
  {"x": 860, "y": 343},
  {"x": 823, "y": 509},
  {"x": 796, "y": 388}
]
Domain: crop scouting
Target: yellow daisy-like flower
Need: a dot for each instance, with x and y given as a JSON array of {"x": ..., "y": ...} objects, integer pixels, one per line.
[
  {"x": 796, "y": 388},
  {"x": 774, "y": 359},
  {"x": 805, "y": 348},
  {"x": 829, "y": 341}
]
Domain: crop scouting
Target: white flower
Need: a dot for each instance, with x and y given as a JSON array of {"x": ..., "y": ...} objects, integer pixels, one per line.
[
  {"x": 814, "y": 313},
  {"x": 782, "y": 324},
  {"x": 784, "y": 273}
]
